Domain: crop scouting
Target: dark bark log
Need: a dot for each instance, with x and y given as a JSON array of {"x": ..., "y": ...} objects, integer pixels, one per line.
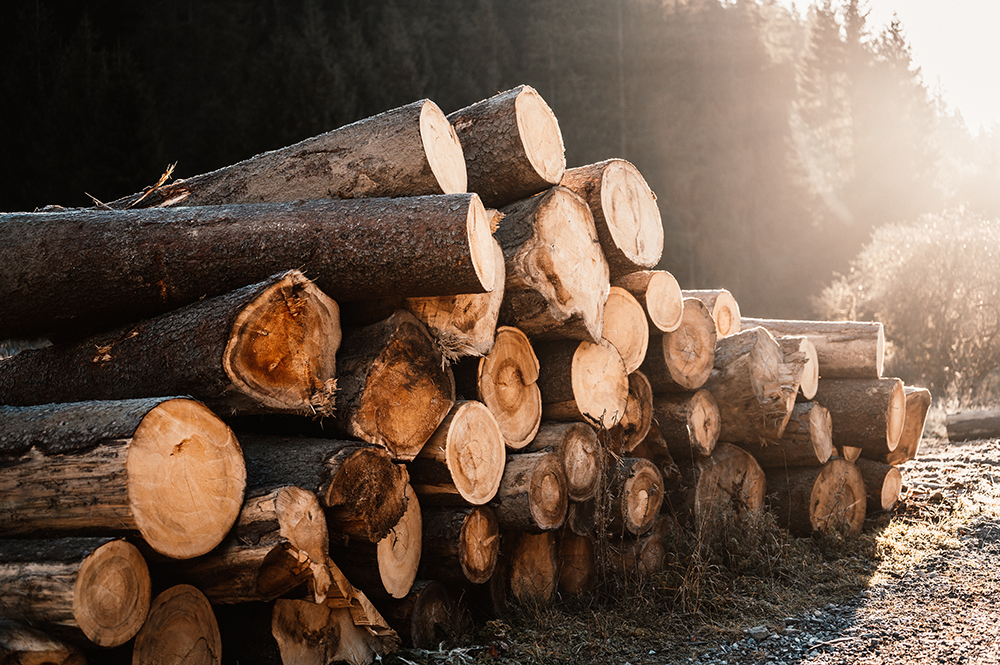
[
  {"x": 577, "y": 563},
  {"x": 828, "y": 499},
  {"x": 579, "y": 451},
  {"x": 807, "y": 440},
  {"x": 867, "y": 413},
  {"x": 460, "y": 544},
  {"x": 428, "y": 615},
  {"x": 532, "y": 494},
  {"x": 973, "y": 425},
  {"x": 688, "y": 423},
  {"x": 845, "y": 349},
  {"x": 23, "y": 645}
]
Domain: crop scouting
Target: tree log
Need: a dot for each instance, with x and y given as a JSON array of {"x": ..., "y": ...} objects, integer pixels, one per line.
[
  {"x": 512, "y": 144},
  {"x": 656, "y": 449},
  {"x": 24, "y": 645},
  {"x": 845, "y": 349},
  {"x": 973, "y": 425},
  {"x": 165, "y": 468},
  {"x": 460, "y": 544},
  {"x": 807, "y": 440},
  {"x": 582, "y": 381},
  {"x": 688, "y": 422},
  {"x": 849, "y": 453},
  {"x": 426, "y": 616},
  {"x": 625, "y": 211},
  {"x": 581, "y": 517},
  {"x": 407, "y": 151},
  {"x": 683, "y": 359},
  {"x": 95, "y": 269},
  {"x": 315, "y": 634},
  {"x": 579, "y": 451},
  {"x": 577, "y": 563},
  {"x": 882, "y": 484},
  {"x": 533, "y": 571},
  {"x": 801, "y": 349},
  {"x": 918, "y": 403},
  {"x": 267, "y": 347},
  {"x": 505, "y": 380},
  {"x": 660, "y": 296},
  {"x": 393, "y": 389},
  {"x": 723, "y": 307},
  {"x": 557, "y": 278},
  {"x": 635, "y": 491},
  {"x": 638, "y": 417},
  {"x": 728, "y": 482},
  {"x": 867, "y": 413},
  {"x": 638, "y": 558},
  {"x": 532, "y": 495},
  {"x": 625, "y": 326},
  {"x": 94, "y": 590},
  {"x": 180, "y": 630},
  {"x": 827, "y": 499}
]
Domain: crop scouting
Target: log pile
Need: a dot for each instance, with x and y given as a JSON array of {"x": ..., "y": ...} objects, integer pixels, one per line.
[{"x": 327, "y": 390}]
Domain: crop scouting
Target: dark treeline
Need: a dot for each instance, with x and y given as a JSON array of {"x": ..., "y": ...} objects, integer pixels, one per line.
[{"x": 775, "y": 142}]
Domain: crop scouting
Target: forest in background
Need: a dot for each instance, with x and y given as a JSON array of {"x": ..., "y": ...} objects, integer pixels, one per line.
[{"x": 776, "y": 143}]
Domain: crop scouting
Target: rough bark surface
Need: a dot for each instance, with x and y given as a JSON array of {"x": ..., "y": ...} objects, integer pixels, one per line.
[
  {"x": 532, "y": 494},
  {"x": 636, "y": 491},
  {"x": 826, "y": 499},
  {"x": 806, "y": 441},
  {"x": 845, "y": 349},
  {"x": 460, "y": 544},
  {"x": 867, "y": 413},
  {"x": 426, "y": 615},
  {"x": 882, "y": 484},
  {"x": 23, "y": 645},
  {"x": 727, "y": 482},
  {"x": 688, "y": 423},
  {"x": 579, "y": 450},
  {"x": 972, "y": 425}
]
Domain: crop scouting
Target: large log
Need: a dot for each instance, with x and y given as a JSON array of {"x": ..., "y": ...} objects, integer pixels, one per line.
[
  {"x": 426, "y": 616},
  {"x": 578, "y": 449},
  {"x": 393, "y": 389},
  {"x": 505, "y": 380},
  {"x": 635, "y": 495},
  {"x": 180, "y": 630},
  {"x": 533, "y": 568},
  {"x": 973, "y": 425},
  {"x": 806, "y": 441},
  {"x": 638, "y": 416},
  {"x": 512, "y": 144},
  {"x": 625, "y": 326},
  {"x": 463, "y": 463},
  {"x": 267, "y": 347},
  {"x": 460, "y": 544},
  {"x": 23, "y": 645},
  {"x": 86, "y": 590},
  {"x": 918, "y": 403},
  {"x": 882, "y": 484},
  {"x": 800, "y": 349},
  {"x": 582, "y": 381},
  {"x": 828, "y": 499},
  {"x": 84, "y": 270},
  {"x": 867, "y": 413},
  {"x": 167, "y": 469},
  {"x": 407, "y": 151},
  {"x": 682, "y": 359},
  {"x": 727, "y": 482},
  {"x": 557, "y": 277},
  {"x": 845, "y": 349},
  {"x": 660, "y": 296},
  {"x": 625, "y": 211},
  {"x": 578, "y": 571},
  {"x": 357, "y": 483},
  {"x": 532, "y": 494},
  {"x": 688, "y": 423},
  {"x": 723, "y": 307}
]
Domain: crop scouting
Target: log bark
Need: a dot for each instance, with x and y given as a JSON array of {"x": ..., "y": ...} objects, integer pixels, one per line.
[
  {"x": 92, "y": 270},
  {"x": 807, "y": 440},
  {"x": 393, "y": 388},
  {"x": 505, "y": 380},
  {"x": 180, "y": 630},
  {"x": 656, "y": 449},
  {"x": 882, "y": 484},
  {"x": 635, "y": 492},
  {"x": 723, "y": 307},
  {"x": 867, "y": 413},
  {"x": 638, "y": 417},
  {"x": 754, "y": 387},
  {"x": 682, "y": 359},
  {"x": 577, "y": 563},
  {"x": 801, "y": 349},
  {"x": 688, "y": 422},
  {"x": 845, "y": 349},
  {"x": 638, "y": 558},
  {"x": 463, "y": 463},
  {"x": 85, "y": 590},
  {"x": 533, "y": 570},
  {"x": 24, "y": 645},
  {"x": 972, "y": 425},
  {"x": 827, "y": 499},
  {"x": 579, "y": 451},
  {"x": 660, "y": 296},
  {"x": 315, "y": 634},
  {"x": 357, "y": 483},
  {"x": 407, "y": 151},
  {"x": 625, "y": 326},
  {"x": 269, "y": 347},
  {"x": 581, "y": 517},
  {"x": 512, "y": 144},
  {"x": 557, "y": 278},
  {"x": 426, "y": 616},
  {"x": 625, "y": 211},
  {"x": 582, "y": 381},
  {"x": 713, "y": 488},
  {"x": 918, "y": 403},
  {"x": 167, "y": 469},
  {"x": 460, "y": 544},
  {"x": 532, "y": 494}
]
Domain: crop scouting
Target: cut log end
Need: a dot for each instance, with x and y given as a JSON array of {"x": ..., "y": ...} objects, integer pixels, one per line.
[
  {"x": 180, "y": 630},
  {"x": 182, "y": 439},
  {"x": 689, "y": 351},
  {"x": 507, "y": 385},
  {"x": 895, "y": 416},
  {"x": 641, "y": 494},
  {"x": 474, "y": 452},
  {"x": 731, "y": 480},
  {"x": 638, "y": 416},
  {"x": 631, "y": 213},
  {"x": 547, "y": 496},
  {"x": 111, "y": 595},
  {"x": 443, "y": 150},
  {"x": 664, "y": 302},
  {"x": 600, "y": 383},
  {"x": 704, "y": 422},
  {"x": 399, "y": 552},
  {"x": 837, "y": 501},
  {"x": 540, "y": 135},
  {"x": 479, "y": 545},
  {"x": 625, "y": 326},
  {"x": 482, "y": 245}
]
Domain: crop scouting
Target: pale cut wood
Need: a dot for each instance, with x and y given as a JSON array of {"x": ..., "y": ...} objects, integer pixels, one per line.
[
  {"x": 557, "y": 277},
  {"x": 460, "y": 544},
  {"x": 533, "y": 570},
  {"x": 180, "y": 630},
  {"x": 638, "y": 416},
  {"x": 393, "y": 387},
  {"x": 279, "y": 543},
  {"x": 806, "y": 441},
  {"x": 723, "y": 307},
  {"x": 512, "y": 144},
  {"x": 167, "y": 469},
  {"x": 86, "y": 590},
  {"x": 882, "y": 484},
  {"x": 426, "y": 615},
  {"x": 683, "y": 359},
  {"x": 849, "y": 453},
  {"x": 867, "y": 413},
  {"x": 918, "y": 403},
  {"x": 727, "y": 482},
  {"x": 505, "y": 380},
  {"x": 316, "y": 634},
  {"x": 463, "y": 463},
  {"x": 92, "y": 270},
  {"x": 660, "y": 296},
  {"x": 24, "y": 645},
  {"x": 635, "y": 489},
  {"x": 532, "y": 495},
  {"x": 827, "y": 499},
  {"x": 845, "y": 349},
  {"x": 407, "y": 151},
  {"x": 625, "y": 210},
  {"x": 579, "y": 450},
  {"x": 577, "y": 563},
  {"x": 345, "y": 596},
  {"x": 973, "y": 425},
  {"x": 582, "y": 381},
  {"x": 688, "y": 422},
  {"x": 799, "y": 349},
  {"x": 625, "y": 326},
  {"x": 269, "y": 347}
]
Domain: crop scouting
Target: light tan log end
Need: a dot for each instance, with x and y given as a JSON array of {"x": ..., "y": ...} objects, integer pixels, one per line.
[
  {"x": 632, "y": 215},
  {"x": 180, "y": 630},
  {"x": 474, "y": 451},
  {"x": 660, "y": 295},
  {"x": 482, "y": 245},
  {"x": 625, "y": 326},
  {"x": 480, "y": 544},
  {"x": 399, "y": 552},
  {"x": 600, "y": 383},
  {"x": 443, "y": 149},
  {"x": 838, "y": 498},
  {"x": 112, "y": 594},
  {"x": 895, "y": 416},
  {"x": 507, "y": 386},
  {"x": 540, "y": 135},
  {"x": 723, "y": 307}
]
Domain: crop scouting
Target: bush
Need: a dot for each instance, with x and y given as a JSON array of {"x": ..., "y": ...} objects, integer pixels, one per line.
[{"x": 934, "y": 285}]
